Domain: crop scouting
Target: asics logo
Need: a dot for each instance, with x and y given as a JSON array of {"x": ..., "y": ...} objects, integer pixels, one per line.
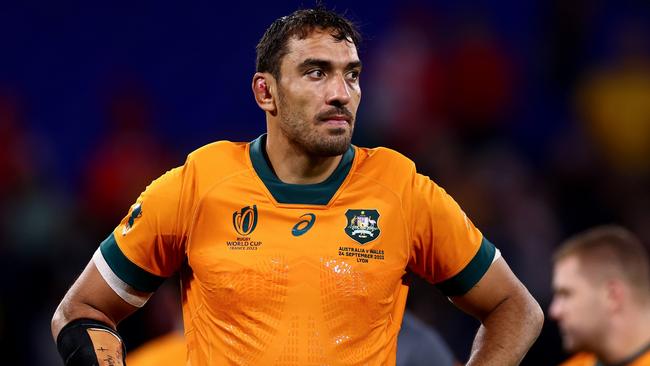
[{"x": 303, "y": 225}]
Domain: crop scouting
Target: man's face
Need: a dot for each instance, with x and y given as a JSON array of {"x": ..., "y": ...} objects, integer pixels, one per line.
[
  {"x": 578, "y": 306},
  {"x": 319, "y": 93}
]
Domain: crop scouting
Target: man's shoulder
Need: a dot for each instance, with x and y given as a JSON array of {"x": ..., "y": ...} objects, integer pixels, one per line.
[
  {"x": 580, "y": 359},
  {"x": 219, "y": 149},
  {"x": 384, "y": 157},
  {"x": 384, "y": 167},
  {"x": 215, "y": 162},
  {"x": 220, "y": 154}
]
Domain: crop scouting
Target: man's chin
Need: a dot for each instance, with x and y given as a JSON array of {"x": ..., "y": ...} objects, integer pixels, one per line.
[
  {"x": 569, "y": 346},
  {"x": 335, "y": 131},
  {"x": 572, "y": 345},
  {"x": 331, "y": 146}
]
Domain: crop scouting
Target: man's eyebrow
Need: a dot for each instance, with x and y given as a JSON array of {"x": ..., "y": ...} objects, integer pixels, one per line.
[
  {"x": 315, "y": 62},
  {"x": 354, "y": 65},
  {"x": 326, "y": 65}
]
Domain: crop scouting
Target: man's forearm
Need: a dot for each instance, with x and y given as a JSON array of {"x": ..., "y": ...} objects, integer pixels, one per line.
[{"x": 507, "y": 332}]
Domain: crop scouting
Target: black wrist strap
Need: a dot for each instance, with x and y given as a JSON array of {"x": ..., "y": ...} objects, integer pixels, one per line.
[{"x": 76, "y": 346}]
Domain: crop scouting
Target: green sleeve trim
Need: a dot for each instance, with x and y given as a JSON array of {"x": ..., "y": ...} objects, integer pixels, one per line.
[
  {"x": 472, "y": 273},
  {"x": 126, "y": 270}
]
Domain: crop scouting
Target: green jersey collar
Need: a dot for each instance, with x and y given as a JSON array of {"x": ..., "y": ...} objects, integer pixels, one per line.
[{"x": 312, "y": 194}]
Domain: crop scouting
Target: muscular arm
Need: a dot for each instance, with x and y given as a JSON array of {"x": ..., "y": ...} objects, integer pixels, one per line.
[
  {"x": 90, "y": 297},
  {"x": 510, "y": 317}
]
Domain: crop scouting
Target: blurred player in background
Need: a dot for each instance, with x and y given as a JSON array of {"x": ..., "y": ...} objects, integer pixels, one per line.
[
  {"x": 601, "y": 285},
  {"x": 418, "y": 344},
  {"x": 292, "y": 248}
]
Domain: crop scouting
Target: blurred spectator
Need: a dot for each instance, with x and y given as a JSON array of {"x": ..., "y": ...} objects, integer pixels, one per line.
[
  {"x": 16, "y": 160},
  {"x": 127, "y": 158},
  {"x": 408, "y": 86},
  {"x": 614, "y": 102},
  {"x": 514, "y": 209},
  {"x": 34, "y": 217},
  {"x": 481, "y": 80},
  {"x": 568, "y": 25}
]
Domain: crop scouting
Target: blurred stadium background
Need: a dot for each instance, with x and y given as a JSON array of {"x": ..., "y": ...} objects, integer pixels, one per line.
[{"x": 534, "y": 115}]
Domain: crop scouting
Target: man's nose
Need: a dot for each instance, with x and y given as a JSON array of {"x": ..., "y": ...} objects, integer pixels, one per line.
[
  {"x": 554, "y": 309},
  {"x": 338, "y": 91}
]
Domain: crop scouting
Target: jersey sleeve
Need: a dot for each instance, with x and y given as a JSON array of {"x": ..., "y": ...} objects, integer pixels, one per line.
[
  {"x": 446, "y": 248},
  {"x": 581, "y": 359},
  {"x": 149, "y": 243}
]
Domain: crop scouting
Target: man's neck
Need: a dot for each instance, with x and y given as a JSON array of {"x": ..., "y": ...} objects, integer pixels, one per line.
[
  {"x": 293, "y": 165},
  {"x": 630, "y": 333}
]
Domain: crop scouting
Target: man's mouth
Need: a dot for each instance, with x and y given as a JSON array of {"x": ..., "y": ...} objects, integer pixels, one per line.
[
  {"x": 336, "y": 120},
  {"x": 336, "y": 117}
]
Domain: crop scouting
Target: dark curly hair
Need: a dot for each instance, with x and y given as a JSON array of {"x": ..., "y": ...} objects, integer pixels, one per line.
[{"x": 273, "y": 45}]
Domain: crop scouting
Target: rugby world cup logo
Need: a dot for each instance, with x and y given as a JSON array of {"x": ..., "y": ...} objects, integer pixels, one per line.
[{"x": 245, "y": 220}]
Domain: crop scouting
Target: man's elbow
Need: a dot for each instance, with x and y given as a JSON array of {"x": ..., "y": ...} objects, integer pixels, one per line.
[
  {"x": 534, "y": 315},
  {"x": 59, "y": 319},
  {"x": 71, "y": 309}
]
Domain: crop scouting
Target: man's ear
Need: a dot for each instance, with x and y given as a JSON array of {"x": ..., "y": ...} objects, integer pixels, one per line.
[
  {"x": 264, "y": 91},
  {"x": 616, "y": 294}
]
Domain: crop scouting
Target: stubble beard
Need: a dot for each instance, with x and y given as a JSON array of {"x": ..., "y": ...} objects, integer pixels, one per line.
[{"x": 302, "y": 132}]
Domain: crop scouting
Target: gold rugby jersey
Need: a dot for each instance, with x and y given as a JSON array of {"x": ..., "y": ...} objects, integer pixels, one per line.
[
  {"x": 284, "y": 274},
  {"x": 588, "y": 359}
]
